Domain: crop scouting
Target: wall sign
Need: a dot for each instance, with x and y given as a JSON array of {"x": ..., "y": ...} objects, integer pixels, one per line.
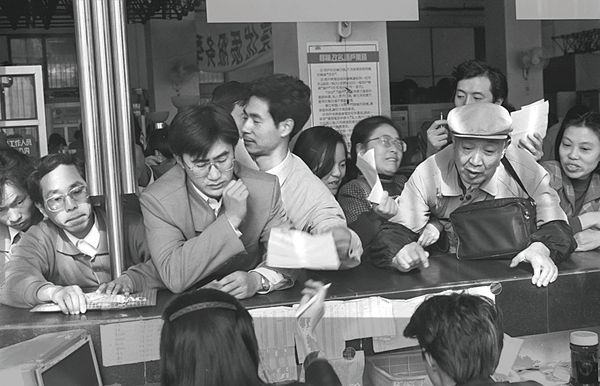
[
  {"x": 557, "y": 9},
  {"x": 344, "y": 79}
]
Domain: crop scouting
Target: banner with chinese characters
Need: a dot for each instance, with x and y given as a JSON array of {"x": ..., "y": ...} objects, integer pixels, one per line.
[
  {"x": 344, "y": 79},
  {"x": 226, "y": 47}
]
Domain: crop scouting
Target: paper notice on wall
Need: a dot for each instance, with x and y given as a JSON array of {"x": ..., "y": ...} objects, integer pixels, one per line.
[
  {"x": 289, "y": 248},
  {"x": 130, "y": 342},
  {"x": 345, "y": 84},
  {"x": 366, "y": 164},
  {"x": 531, "y": 119},
  {"x": 274, "y": 326}
]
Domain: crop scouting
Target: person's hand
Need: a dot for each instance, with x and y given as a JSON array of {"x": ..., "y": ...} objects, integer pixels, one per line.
[
  {"x": 437, "y": 136},
  {"x": 587, "y": 240},
  {"x": 70, "y": 299},
  {"x": 235, "y": 196},
  {"x": 122, "y": 284},
  {"x": 241, "y": 284},
  {"x": 533, "y": 144},
  {"x": 387, "y": 208},
  {"x": 316, "y": 311},
  {"x": 429, "y": 235},
  {"x": 544, "y": 269},
  {"x": 342, "y": 238},
  {"x": 410, "y": 257},
  {"x": 153, "y": 160}
]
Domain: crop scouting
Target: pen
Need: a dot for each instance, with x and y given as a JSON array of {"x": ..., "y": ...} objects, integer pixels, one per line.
[
  {"x": 441, "y": 115},
  {"x": 302, "y": 309}
]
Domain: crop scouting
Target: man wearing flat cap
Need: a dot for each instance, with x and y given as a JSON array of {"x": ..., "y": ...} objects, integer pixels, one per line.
[{"x": 467, "y": 171}]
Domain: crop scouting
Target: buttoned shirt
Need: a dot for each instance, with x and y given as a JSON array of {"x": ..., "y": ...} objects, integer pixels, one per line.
[
  {"x": 308, "y": 203},
  {"x": 434, "y": 189},
  {"x": 90, "y": 243}
]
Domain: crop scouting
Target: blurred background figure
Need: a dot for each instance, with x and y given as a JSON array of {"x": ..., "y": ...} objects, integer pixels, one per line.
[
  {"x": 159, "y": 152},
  {"x": 56, "y": 144},
  {"x": 324, "y": 151}
]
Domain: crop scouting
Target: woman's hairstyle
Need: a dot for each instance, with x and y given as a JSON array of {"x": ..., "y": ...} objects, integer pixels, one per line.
[
  {"x": 208, "y": 339},
  {"x": 572, "y": 118},
  {"x": 361, "y": 132},
  {"x": 463, "y": 333},
  {"x": 316, "y": 147}
]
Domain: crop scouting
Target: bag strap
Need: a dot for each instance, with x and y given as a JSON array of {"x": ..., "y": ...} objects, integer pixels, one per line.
[{"x": 509, "y": 168}]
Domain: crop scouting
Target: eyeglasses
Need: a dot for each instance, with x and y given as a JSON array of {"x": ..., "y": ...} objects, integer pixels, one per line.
[
  {"x": 78, "y": 194},
  {"x": 202, "y": 169},
  {"x": 388, "y": 141}
]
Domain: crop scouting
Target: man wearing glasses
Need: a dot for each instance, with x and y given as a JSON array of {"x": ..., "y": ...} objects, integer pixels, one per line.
[
  {"x": 208, "y": 218},
  {"x": 69, "y": 249}
]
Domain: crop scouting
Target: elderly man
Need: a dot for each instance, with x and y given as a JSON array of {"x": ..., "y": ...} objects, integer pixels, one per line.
[
  {"x": 69, "y": 249},
  {"x": 477, "y": 82},
  {"x": 461, "y": 338},
  {"x": 278, "y": 108},
  {"x": 470, "y": 170}
]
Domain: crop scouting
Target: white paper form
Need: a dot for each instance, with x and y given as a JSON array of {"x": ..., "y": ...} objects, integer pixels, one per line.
[
  {"x": 532, "y": 118},
  {"x": 130, "y": 342},
  {"x": 366, "y": 164},
  {"x": 288, "y": 248},
  {"x": 327, "y": 336},
  {"x": 508, "y": 356},
  {"x": 278, "y": 364},
  {"x": 403, "y": 311}
]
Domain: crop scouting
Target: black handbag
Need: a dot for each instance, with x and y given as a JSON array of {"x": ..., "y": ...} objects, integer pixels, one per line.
[{"x": 495, "y": 229}]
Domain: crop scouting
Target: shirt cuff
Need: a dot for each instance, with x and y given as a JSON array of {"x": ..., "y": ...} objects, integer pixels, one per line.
[
  {"x": 237, "y": 232},
  {"x": 273, "y": 277}
]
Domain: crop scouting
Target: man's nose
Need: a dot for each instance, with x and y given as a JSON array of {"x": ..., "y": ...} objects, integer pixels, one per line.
[
  {"x": 14, "y": 215},
  {"x": 476, "y": 158},
  {"x": 70, "y": 203}
]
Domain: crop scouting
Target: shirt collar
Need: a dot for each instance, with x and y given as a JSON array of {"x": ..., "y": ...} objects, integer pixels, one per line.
[
  {"x": 92, "y": 238},
  {"x": 12, "y": 232},
  {"x": 213, "y": 203},
  {"x": 283, "y": 169}
]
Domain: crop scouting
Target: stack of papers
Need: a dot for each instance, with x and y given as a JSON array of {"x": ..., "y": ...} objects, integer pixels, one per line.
[
  {"x": 532, "y": 118},
  {"x": 366, "y": 164},
  {"x": 288, "y": 248}
]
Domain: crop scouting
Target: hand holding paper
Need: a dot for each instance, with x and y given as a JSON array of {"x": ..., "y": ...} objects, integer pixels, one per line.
[
  {"x": 531, "y": 119},
  {"x": 366, "y": 164},
  {"x": 296, "y": 249}
]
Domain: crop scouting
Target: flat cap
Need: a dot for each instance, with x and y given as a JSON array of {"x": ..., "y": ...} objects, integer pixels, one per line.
[{"x": 480, "y": 120}]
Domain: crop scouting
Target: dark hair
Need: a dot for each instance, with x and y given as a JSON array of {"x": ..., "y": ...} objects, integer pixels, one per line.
[
  {"x": 463, "y": 333},
  {"x": 195, "y": 129},
  {"x": 474, "y": 68},
  {"x": 55, "y": 141},
  {"x": 228, "y": 94},
  {"x": 361, "y": 132},
  {"x": 44, "y": 166},
  {"x": 316, "y": 147},
  {"x": 287, "y": 97},
  {"x": 208, "y": 339},
  {"x": 159, "y": 140},
  {"x": 15, "y": 168},
  {"x": 574, "y": 114}
]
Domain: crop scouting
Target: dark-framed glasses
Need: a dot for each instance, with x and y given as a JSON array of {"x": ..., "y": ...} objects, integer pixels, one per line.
[
  {"x": 57, "y": 202},
  {"x": 202, "y": 168},
  {"x": 388, "y": 141}
]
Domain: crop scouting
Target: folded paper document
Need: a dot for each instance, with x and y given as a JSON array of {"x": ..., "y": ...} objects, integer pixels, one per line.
[
  {"x": 366, "y": 164},
  {"x": 297, "y": 249},
  {"x": 531, "y": 119}
]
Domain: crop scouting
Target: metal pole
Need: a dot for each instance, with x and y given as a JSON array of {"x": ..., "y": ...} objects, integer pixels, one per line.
[
  {"x": 87, "y": 90},
  {"x": 106, "y": 96},
  {"x": 121, "y": 81}
]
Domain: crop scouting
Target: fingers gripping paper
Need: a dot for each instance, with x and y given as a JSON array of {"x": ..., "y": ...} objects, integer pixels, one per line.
[
  {"x": 366, "y": 164},
  {"x": 297, "y": 249}
]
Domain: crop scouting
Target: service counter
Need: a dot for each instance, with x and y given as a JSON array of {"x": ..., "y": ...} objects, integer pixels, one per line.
[{"x": 572, "y": 302}]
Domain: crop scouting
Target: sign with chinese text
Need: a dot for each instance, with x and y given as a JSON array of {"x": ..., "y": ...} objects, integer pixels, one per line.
[
  {"x": 236, "y": 11},
  {"x": 225, "y": 47},
  {"x": 344, "y": 79},
  {"x": 26, "y": 144}
]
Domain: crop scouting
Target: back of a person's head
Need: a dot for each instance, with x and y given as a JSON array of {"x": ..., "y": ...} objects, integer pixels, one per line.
[
  {"x": 288, "y": 98},
  {"x": 316, "y": 146},
  {"x": 463, "y": 333},
  {"x": 195, "y": 129},
  {"x": 208, "y": 339},
  {"x": 46, "y": 165},
  {"x": 475, "y": 68},
  {"x": 229, "y": 94},
  {"x": 55, "y": 143},
  {"x": 159, "y": 140}
]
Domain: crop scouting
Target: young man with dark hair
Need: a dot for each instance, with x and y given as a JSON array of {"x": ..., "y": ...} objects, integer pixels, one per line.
[
  {"x": 17, "y": 211},
  {"x": 477, "y": 82},
  {"x": 208, "y": 219},
  {"x": 278, "y": 108},
  {"x": 461, "y": 338},
  {"x": 69, "y": 249}
]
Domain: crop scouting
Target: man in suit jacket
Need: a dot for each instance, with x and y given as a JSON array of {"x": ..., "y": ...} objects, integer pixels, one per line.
[{"x": 208, "y": 219}]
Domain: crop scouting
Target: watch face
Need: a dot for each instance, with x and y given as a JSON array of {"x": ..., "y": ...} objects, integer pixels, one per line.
[{"x": 264, "y": 283}]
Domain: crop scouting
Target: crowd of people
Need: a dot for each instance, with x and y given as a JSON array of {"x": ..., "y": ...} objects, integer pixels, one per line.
[{"x": 223, "y": 176}]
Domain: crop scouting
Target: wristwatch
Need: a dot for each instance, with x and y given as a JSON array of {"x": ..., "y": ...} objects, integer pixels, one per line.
[{"x": 264, "y": 284}]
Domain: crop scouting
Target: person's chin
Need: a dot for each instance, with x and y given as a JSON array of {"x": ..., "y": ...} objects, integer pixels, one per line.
[{"x": 78, "y": 223}]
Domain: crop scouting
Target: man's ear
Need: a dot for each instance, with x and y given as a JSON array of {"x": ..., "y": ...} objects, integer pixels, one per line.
[
  {"x": 360, "y": 148},
  {"x": 499, "y": 101},
  {"x": 42, "y": 210},
  {"x": 404, "y": 147},
  {"x": 506, "y": 144},
  {"x": 286, "y": 127}
]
